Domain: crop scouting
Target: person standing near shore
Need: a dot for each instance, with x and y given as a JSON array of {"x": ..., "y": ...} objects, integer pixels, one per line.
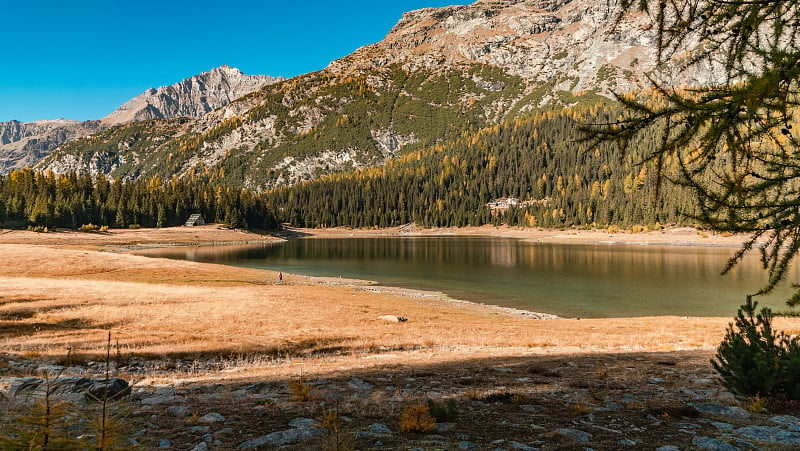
[{"x": 280, "y": 277}]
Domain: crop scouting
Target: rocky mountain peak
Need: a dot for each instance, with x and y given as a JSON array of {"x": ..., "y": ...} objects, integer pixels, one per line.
[
  {"x": 575, "y": 45},
  {"x": 191, "y": 97}
]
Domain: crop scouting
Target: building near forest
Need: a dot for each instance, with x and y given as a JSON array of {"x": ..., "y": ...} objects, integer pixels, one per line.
[{"x": 195, "y": 220}]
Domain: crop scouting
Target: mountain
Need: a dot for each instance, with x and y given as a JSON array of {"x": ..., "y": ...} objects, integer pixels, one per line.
[
  {"x": 438, "y": 74},
  {"x": 25, "y": 143},
  {"x": 192, "y": 97},
  {"x": 566, "y": 45}
]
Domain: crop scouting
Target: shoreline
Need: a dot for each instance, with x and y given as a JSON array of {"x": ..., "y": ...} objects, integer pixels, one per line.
[
  {"x": 212, "y": 234},
  {"x": 677, "y": 236}
]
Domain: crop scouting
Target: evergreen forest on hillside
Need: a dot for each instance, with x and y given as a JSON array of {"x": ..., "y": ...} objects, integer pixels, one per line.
[{"x": 540, "y": 160}]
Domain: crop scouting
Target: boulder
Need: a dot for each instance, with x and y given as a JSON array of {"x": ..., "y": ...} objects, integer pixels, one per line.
[
  {"x": 76, "y": 389},
  {"x": 281, "y": 438},
  {"x": 213, "y": 417},
  {"x": 575, "y": 434},
  {"x": 712, "y": 444},
  {"x": 393, "y": 318},
  {"x": 772, "y": 435}
]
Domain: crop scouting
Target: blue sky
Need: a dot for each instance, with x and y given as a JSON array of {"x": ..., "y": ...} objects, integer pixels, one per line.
[{"x": 81, "y": 59}]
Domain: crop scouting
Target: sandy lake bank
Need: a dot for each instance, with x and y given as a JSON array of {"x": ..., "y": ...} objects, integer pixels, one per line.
[{"x": 63, "y": 289}]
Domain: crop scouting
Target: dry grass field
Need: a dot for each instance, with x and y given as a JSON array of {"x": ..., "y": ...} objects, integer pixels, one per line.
[{"x": 62, "y": 292}]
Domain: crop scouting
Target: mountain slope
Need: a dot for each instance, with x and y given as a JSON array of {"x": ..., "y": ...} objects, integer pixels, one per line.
[
  {"x": 531, "y": 171},
  {"x": 301, "y": 128},
  {"x": 437, "y": 74}
]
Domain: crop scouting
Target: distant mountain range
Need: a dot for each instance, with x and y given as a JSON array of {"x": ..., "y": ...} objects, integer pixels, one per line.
[
  {"x": 439, "y": 73},
  {"x": 25, "y": 143}
]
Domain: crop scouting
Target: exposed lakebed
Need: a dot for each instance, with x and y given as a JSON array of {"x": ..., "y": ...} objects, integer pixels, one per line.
[{"x": 572, "y": 280}]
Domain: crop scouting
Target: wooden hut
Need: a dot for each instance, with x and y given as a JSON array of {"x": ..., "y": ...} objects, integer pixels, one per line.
[{"x": 195, "y": 220}]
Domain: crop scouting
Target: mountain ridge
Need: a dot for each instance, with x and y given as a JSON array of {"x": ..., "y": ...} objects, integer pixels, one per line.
[{"x": 25, "y": 143}]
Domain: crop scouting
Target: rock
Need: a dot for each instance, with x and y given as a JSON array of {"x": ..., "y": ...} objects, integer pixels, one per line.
[
  {"x": 467, "y": 445},
  {"x": 627, "y": 442},
  {"x": 202, "y": 446},
  {"x": 303, "y": 423},
  {"x": 742, "y": 443},
  {"x": 379, "y": 428},
  {"x": 164, "y": 443},
  {"x": 212, "y": 417},
  {"x": 393, "y": 318},
  {"x": 358, "y": 384},
  {"x": 166, "y": 391},
  {"x": 178, "y": 411},
  {"x": 77, "y": 389},
  {"x": 712, "y": 444},
  {"x": 575, "y": 434},
  {"x": 369, "y": 435},
  {"x": 611, "y": 405},
  {"x": 164, "y": 399},
  {"x": 200, "y": 429},
  {"x": 718, "y": 424},
  {"x": 732, "y": 412},
  {"x": 259, "y": 387},
  {"x": 787, "y": 421},
  {"x": 668, "y": 448},
  {"x": 286, "y": 437},
  {"x": 443, "y": 427},
  {"x": 521, "y": 447},
  {"x": 770, "y": 435},
  {"x": 655, "y": 380}
]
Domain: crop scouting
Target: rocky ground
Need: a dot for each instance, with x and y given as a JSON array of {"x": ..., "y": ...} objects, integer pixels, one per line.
[{"x": 661, "y": 401}]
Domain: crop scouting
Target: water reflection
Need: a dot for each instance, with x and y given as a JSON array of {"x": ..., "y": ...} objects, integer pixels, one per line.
[{"x": 568, "y": 280}]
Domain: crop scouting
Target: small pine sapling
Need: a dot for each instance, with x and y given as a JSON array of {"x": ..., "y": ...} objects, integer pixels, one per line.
[{"x": 753, "y": 360}]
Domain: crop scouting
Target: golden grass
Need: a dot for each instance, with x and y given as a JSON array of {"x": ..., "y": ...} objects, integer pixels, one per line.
[{"x": 60, "y": 297}]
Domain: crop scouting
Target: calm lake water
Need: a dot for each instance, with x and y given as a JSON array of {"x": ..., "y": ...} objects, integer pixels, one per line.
[{"x": 572, "y": 280}]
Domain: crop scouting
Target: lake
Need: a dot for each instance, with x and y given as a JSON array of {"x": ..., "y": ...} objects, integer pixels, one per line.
[{"x": 571, "y": 280}]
